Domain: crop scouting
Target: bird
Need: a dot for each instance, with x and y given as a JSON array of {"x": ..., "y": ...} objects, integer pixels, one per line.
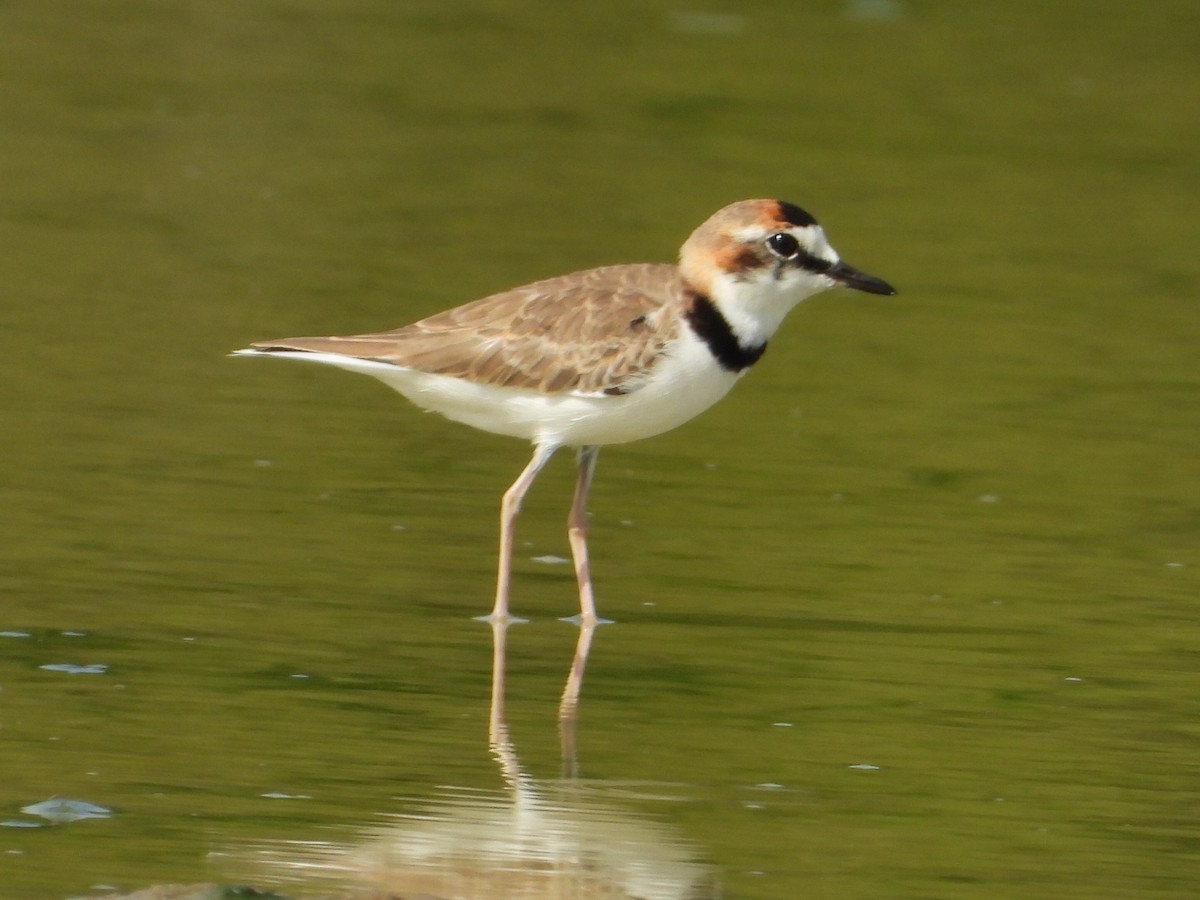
[{"x": 601, "y": 356}]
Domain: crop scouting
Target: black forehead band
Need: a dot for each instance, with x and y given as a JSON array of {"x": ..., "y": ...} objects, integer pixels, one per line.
[{"x": 794, "y": 215}]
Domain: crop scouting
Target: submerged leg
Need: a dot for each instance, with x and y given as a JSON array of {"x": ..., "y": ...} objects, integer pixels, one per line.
[
  {"x": 510, "y": 506},
  {"x": 568, "y": 706},
  {"x": 577, "y": 530}
]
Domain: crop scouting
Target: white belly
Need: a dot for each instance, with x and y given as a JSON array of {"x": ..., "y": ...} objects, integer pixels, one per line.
[{"x": 684, "y": 384}]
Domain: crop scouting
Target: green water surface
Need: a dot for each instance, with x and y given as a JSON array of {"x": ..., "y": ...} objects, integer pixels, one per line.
[{"x": 912, "y": 614}]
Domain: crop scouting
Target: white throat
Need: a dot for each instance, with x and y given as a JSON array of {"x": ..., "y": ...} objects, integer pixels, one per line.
[{"x": 756, "y": 309}]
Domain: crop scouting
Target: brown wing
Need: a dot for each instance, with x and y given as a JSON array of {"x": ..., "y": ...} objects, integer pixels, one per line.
[{"x": 591, "y": 332}]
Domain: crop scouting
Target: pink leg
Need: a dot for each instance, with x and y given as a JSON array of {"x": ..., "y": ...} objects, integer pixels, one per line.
[
  {"x": 577, "y": 530},
  {"x": 510, "y": 507}
]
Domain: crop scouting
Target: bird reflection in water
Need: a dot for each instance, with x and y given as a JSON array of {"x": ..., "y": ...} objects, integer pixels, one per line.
[{"x": 538, "y": 839}]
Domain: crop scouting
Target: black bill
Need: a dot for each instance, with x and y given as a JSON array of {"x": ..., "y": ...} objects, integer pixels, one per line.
[{"x": 848, "y": 276}]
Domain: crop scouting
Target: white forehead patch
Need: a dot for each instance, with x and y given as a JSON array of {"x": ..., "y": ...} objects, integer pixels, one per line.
[{"x": 811, "y": 237}]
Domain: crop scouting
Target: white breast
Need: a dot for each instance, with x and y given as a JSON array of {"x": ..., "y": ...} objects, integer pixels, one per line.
[{"x": 685, "y": 382}]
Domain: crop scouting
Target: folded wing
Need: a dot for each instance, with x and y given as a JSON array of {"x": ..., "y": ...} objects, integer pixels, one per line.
[{"x": 593, "y": 332}]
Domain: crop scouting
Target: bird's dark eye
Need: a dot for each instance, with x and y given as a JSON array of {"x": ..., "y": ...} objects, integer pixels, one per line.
[{"x": 783, "y": 244}]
